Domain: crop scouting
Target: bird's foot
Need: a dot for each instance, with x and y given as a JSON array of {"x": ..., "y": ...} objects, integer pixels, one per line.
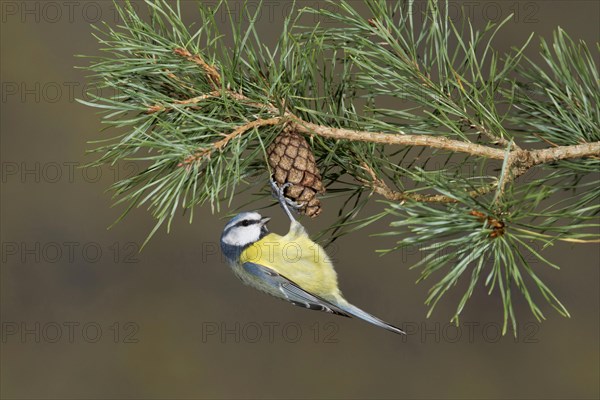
[{"x": 286, "y": 203}]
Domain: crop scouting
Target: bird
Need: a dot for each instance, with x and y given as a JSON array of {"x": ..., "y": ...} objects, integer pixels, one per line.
[{"x": 292, "y": 267}]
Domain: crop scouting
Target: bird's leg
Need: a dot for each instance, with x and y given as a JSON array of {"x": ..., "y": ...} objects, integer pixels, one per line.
[{"x": 285, "y": 203}]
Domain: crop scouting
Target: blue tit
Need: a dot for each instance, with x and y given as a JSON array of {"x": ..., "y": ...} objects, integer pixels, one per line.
[{"x": 290, "y": 267}]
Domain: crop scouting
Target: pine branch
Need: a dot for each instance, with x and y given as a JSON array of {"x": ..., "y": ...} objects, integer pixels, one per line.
[
  {"x": 519, "y": 160},
  {"x": 428, "y": 116}
]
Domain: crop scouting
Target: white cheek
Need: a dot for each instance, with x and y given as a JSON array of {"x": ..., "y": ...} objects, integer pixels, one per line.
[{"x": 242, "y": 237}]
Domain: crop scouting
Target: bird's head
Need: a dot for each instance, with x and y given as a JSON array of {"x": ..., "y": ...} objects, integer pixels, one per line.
[{"x": 244, "y": 229}]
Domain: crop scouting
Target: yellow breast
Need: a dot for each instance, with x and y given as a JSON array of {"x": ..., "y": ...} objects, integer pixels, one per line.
[{"x": 297, "y": 258}]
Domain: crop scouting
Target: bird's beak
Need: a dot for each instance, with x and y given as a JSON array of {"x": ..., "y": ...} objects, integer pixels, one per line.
[{"x": 263, "y": 225}]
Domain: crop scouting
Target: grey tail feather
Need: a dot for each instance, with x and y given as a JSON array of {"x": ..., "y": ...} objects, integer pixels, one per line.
[{"x": 365, "y": 316}]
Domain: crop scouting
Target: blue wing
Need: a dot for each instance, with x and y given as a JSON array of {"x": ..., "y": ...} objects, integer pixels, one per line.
[{"x": 291, "y": 291}]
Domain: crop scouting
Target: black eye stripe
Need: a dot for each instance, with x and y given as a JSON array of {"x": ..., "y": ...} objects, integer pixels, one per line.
[{"x": 246, "y": 222}]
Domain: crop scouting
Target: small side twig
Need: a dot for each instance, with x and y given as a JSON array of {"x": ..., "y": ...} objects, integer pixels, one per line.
[
  {"x": 219, "y": 145},
  {"x": 494, "y": 138},
  {"x": 213, "y": 75},
  {"x": 193, "y": 100},
  {"x": 380, "y": 187}
]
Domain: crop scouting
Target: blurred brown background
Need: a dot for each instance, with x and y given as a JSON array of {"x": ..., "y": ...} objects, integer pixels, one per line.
[{"x": 85, "y": 316}]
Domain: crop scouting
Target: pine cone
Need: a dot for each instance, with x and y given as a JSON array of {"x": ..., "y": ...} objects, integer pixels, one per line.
[{"x": 292, "y": 160}]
